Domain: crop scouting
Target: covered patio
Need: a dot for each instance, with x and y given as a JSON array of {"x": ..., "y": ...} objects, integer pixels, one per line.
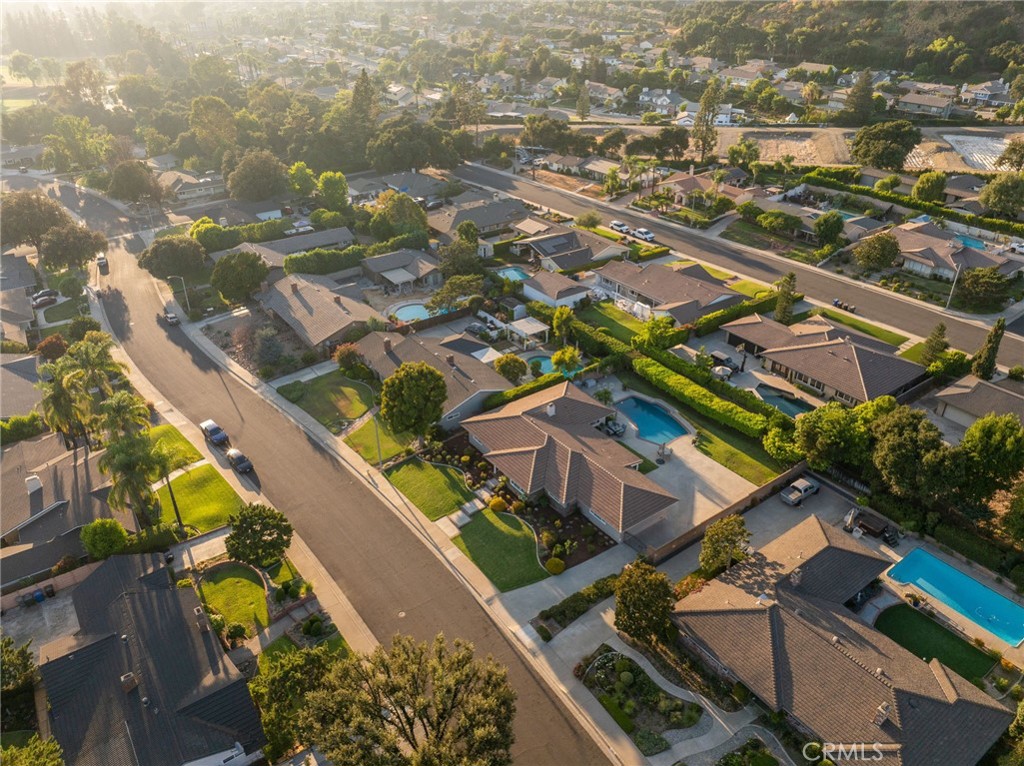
[
  {"x": 526, "y": 331},
  {"x": 400, "y": 279}
]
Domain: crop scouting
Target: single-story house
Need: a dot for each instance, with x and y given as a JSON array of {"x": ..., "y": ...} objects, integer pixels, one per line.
[
  {"x": 688, "y": 189},
  {"x": 565, "y": 249},
  {"x": 933, "y": 252},
  {"x": 145, "y": 680},
  {"x": 963, "y": 187},
  {"x": 18, "y": 378},
  {"x": 404, "y": 269},
  {"x": 546, "y": 87},
  {"x": 16, "y": 273},
  {"x": 16, "y": 315},
  {"x": 553, "y": 289},
  {"x": 319, "y": 311},
  {"x": 597, "y": 167},
  {"x": 667, "y": 291},
  {"x": 48, "y": 494},
  {"x": 777, "y": 624},
  {"x": 274, "y": 252},
  {"x": 741, "y": 76},
  {"x": 489, "y": 215},
  {"x": 812, "y": 67},
  {"x": 548, "y": 444},
  {"x": 928, "y": 88},
  {"x": 701, "y": 63},
  {"x": 563, "y": 163},
  {"x": 970, "y": 398},
  {"x": 468, "y": 379},
  {"x": 726, "y": 115},
  {"x": 186, "y": 186},
  {"x": 363, "y": 190},
  {"x": 500, "y": 81},
  {"x": 419, "y": 186},
  {"x": 758, "y": 333},
  {"x": 922, "y": 103},
  {"x": 163, "y": 162},
  {"x": 871, "y": 176}
]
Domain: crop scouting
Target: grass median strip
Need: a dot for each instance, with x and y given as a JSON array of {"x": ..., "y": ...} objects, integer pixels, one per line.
[
  {"x": 435, "y": 490},
  {"x": 364, "y": 441},
  {"x": 504, "y": 549}
]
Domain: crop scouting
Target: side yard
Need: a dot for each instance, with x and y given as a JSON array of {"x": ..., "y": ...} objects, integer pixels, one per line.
[
  {"x": 926, "y": 638},
  {"x": 620, "y": 325}
]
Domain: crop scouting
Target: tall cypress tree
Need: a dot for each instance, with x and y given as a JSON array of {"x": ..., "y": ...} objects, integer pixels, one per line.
[
  {"x": 787, "y": 296},
  {"x": 935, "y": 345},
  {"x": 704, "y": 134},
  {"x": 984, "y": 365},
  {"x": 860, "y": 101}
]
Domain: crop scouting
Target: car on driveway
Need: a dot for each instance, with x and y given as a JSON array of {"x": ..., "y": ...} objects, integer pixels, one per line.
[
  {"x": 795, "y": 493},
  {"x": 171, "y": 318},
  {"x": 645, "y": 234},
  {"x": 46, "y": 300},
  {"x": 48, "y": 293},
  {"x": 238, "y": 461},
  {"x": 619, "y": 226},
  {"x": 214, "y": 433},
  {"x": 101, "y": 262}
]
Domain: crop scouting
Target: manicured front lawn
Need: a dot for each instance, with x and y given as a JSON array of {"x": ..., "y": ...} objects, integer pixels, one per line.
[
  {"x": 236, "y": 592},
  {"x": 914, "y": 353},
  {"x": 504, "y": 549},
  {"x": 924, "y": 637},
  {"x": 435, "y": 490},
  {"x": 283, "y": 645},
  {"x": 749, "y": 287},
  {"x": 283, "y": 571},
  {"x": 752, "y": 235},
  {"x": 620, "y": 325},
  {"x": 364, "y": 441},
  {"x": 332, "y": 399},
  {"x": 172, "y": 438},
  {"x": 740, "y": 454},
  {"x": 646, "y": 466},
  {"x": 886, "y": 336},
  {"x": 205, "y": 499},
  {"x": 46, "y": 332},
  {"x": 67, "y": 310}
]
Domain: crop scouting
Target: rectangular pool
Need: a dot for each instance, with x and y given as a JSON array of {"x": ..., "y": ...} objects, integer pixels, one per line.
[
  {"x": 513, "y": 273},
  {"x": 975, "y": 601}
]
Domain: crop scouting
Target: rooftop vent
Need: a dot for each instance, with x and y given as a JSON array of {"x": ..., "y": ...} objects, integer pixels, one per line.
[
  {"x": 145, "y": 701},
  {"x": 551, "y": 409},
  {"x": 450, "y": 358},
  {"x": 835, "y": 640},
  {"x": 33, "y": 484},
  {"x": 124, "y": 637},
  {"x": 295, "y": 287},
  {"x": 882, "y": 713},
  {"x": 129, "y": 681},
  {"x": 796, "y": 575}
]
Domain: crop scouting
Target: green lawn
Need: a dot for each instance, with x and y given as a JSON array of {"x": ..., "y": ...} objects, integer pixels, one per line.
[
  {"x": 646, "y": 465},
  {"x": 279, "y": 646},
  {"x": 332, "y": 399},
  {"x": 620, "y": 325},
  {"x": 67, "y": 310},
  {"x": 364, "y": 441},
  {"x": 435, "y": 490},
  {"x": 914, "y": 353},
  {"x": 46, "y": 332},
  {"x": 172, "y": 438},
  {"x": 205, "y": 499},
  {"x": 924, "y": 637},
  {"x": 504, "y": 549},
  {"x": 752, "y": 235},
  {"x": 236, "y": 592},
  {"x": 173, "y": 231},
  {"x": 15, "y": 738},
  {"x": 283, "y": 571},
  {"x": 749, "y": 288},
  {"x": 886, "y": 336},
  {"x": 740, "y": 454}
]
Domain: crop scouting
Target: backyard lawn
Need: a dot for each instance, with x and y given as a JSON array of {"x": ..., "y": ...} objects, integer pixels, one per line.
[
  {"x": 924, "y": 637},
  {"x": 363, "y": 441},
  {"x": 752, "y": 235},
  {"x": 171, "y": 437},
  {"x": 504, "y": 549},
  {"x": 886, "y": 336},
  {"x": 435, "y": 490},
  {"x": 620, "y": 325},
  {"x": 236, "y": 592},
  {"x": 205, "y": 499},
  {"x": 332, "y": 399},
  {"x": 67, "y": 310}
]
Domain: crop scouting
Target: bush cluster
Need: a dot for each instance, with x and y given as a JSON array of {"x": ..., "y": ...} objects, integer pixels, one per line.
[
  {"x": 214, "y": 237},
  {"x": 575, "y": 606},
  {"x": 538, "y": 384},
  {"x": 555, "y": 565},
  {"x": 21, "y": 427},
  {"x": 711, "y": 322},
  {"x": 590, "y": 339},
  {"x": 321, "y": 261},
  {"x": 971, "y": 545}
]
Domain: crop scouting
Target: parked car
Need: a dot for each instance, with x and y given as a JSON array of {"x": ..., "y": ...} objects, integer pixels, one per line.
[
  {"x": 645, "y": 234},
  {"x": 46, "y": 300},
  {"x": 238, "y": 461},
  {"x": 45, "y": 294},
  {"x": 101, "y": 262},
  {"x": 214, "y": 433},
  {"x": 171, "y": 318},
  {"x": 795, "y": 493},
  {"x": 722, "y": 359},
  {"x": 475, "y": 328},
  {"x": 619, "y": 226}
]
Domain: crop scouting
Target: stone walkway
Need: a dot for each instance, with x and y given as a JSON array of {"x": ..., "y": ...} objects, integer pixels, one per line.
[{"x": 710, "y": 757}]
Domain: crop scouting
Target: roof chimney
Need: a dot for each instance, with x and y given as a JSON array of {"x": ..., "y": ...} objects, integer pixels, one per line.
[
  {"x": 551, "y": 409},
  {"x": 882, "y": 714},
  {"x": 387, "y": 345},
  {"x": 32, "y": 484},
  {"x": 450, "y": 358},
  {"x": 295, "y": 287},
  {"x": 129, "y": 681},
  {"x": 796, "y": 575},
  {"x": 691, "y": 170},
  {"x": 202, "y": 621},
  {"x": 264, "y": 286}
]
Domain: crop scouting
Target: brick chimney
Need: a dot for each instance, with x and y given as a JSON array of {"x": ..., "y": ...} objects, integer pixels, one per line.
[
  {"x": 450, "y": 358},
  {"x": 295, "y": 287},
  {"x": 551, "y": 409},
  {"x": 387, "y": 345},
  {"x": 129, "y": 681},
  {"x": 34, "y": 488}
]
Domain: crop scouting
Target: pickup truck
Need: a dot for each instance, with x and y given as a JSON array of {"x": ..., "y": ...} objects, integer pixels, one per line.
[{"x": 795, "y": 493}]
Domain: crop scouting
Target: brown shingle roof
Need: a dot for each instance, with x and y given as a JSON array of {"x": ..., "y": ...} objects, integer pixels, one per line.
[
  {"x": 555, "y": 286},
  {"x": 314, "y": 307},
  {"x": 979, "y": 397},
  {"x": 927, "y": 244},
  {"x": 668, "y": 289},
  {"x": 767, "y": 333}
]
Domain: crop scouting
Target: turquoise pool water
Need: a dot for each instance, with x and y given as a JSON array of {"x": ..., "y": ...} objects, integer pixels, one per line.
[
  {"x": 847, "y": 216},
  {"x": 975, "y": 601},
  {"x": 977, "y": 244},
  {"x": 791, "y": 405},
  {"x": 514, "y": 273},
  {"x": 653, "y": 422},
  {"x": 545, "y": 362},
  {"x": 412, "y": 312}
]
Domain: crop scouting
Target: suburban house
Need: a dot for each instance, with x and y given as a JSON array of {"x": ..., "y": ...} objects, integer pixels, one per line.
[
  {"x": 18, "y": 378},
  {"x": 563, "y": 163},
  {"x": 145, "y": 680},
  {"x": 503, "y": 82},
  {"x": 274, "y": 252},
  {"x": 363, "y": 190},
  {"x": 826, "y": 70},
  {"x": 933, "y": 252},
  {"x": 777, "y": 624},
  {"x": 871, "y": 176},
  {"x": 660, "y": 100},
  {"x": 970, "y": 398},
  {"x": 561, "y": 248},
  {"x": 16, "y": 315},
  {"x": 548, "y": 443},
  {"x": 490, "y": 216},
  {"x": 469, "y": 379},
  {"x": 320, "y": 312},
  {"x": 758, "y": 333},
  {"x": 963, "y": 188},
  {"x": 597, "y": 167},
  {"x": 49, "y": 493},
  {"x": 604, "y": 94},
  {"x": 553, "y": 289},
  {"x": 399, "y": 96},
  {"x": 419, "y": 186},
  {"x": 403, "y": 269},
  {"x": 667, "y": 291},
  {"x": 837, "y": 99},
  {"x": 687, "y": 114},
  {"x": 546, "y": 88},
  {"x": 690, "y": 190},
  {"x": 923, "y": 103},
  {"x": 928, "y": 88},
  {"x": 701, "y": 63},
  {"x": 163, "y": 162},
  {"x": 741, "y": 76},
  {"x": 993, "y": 93},
  {"x": 186, "y": 186}
]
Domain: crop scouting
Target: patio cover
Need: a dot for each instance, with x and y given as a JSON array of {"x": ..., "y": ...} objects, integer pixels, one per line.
[
  {"x": 399, "y": 276},
  {"x": 528, "y": 326},
  {"x": 531, "y": 226}
]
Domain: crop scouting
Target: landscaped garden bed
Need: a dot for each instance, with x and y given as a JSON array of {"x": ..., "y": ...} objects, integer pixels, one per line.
[
  {"x": 237, "y": 593},
  {"x": 752, "y": 753},
  {"x": 555, "y": 618},
  {"x": 638, "y": 705},
  {"x": 333, "y": 399}
]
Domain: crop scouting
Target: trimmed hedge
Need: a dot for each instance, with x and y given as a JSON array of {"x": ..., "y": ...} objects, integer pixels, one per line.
[
  {"x": 503, "y": 249},
  {"x": 624, "y": 721},
  {"x": 700, "y": 399},
  {"x": 711, "y": 322},
  {"x": 538, "y": 384},
  {"x": 320, "y": 261},
  {"x": 20, "y": 427},
  {"x": 652, "y": 252},
  {"x": 932, "y": 208},
  {"x": 575, "y": 606},
  {"x": 214, "y": 237},
  {"x": 592, "y": 342}
]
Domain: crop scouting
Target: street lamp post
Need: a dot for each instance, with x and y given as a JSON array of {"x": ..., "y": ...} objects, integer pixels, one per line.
[
  {"x": 953, "y": 287},
  {"x": 184, "y": 289}
]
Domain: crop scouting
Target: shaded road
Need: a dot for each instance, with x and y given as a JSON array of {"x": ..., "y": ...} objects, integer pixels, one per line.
[
  {"x": 821, "y": 285},
  {"x": 392, "y": 580}
]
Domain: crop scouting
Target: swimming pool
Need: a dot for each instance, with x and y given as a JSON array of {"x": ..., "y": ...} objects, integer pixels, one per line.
[
  {"x": 975, "y": 601},
  {"x": 545, "y": 362},
  {"x": 412, "y": 312},
  {"x": 977, "y": 244},
  {"x": 783, "y": 400},
  {"x": 653, "y": 422},
  {"x": 514, "y": 273}
]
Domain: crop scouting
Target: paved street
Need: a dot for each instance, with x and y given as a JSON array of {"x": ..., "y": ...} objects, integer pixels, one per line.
[
  {"x": 392, "y": 580},
  {"x": 916, "y": 318}
]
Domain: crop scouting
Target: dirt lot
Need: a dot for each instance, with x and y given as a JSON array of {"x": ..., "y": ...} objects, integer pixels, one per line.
[{"x": 569, "y": 183}]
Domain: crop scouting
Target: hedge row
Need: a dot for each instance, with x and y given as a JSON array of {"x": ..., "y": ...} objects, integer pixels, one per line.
[
  {"x": 20, "y": 427},
  {"x": 503, "y": 249},
  {"x": 711, "y": 322},
  {"x": 932, "y": 208},
  {"x": 701, "y": 399},
  {"x": 971, "y": 545},
  {"x": 592, "y": 342},
  {"x": 652, "y": 252},
  {"x": 322, "y": 261},
  {"x": 576, "y": 605},
  {"x": 214, "y": 237},
  {"x": 741, "y": 396},
  {"x": 537, "y": 384}
]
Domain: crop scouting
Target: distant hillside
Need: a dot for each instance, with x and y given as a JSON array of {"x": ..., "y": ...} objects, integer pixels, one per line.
[{"x": 907, "y": 34}]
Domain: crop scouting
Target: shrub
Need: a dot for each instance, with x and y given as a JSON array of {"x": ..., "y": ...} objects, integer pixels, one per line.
[
  {"x": 13, "y": 347},
  {"x": 555, "y": 566},
  {"x": 80, "y": 326},
  {"x": 216, "y": 622},
  {"x": 627, "y": 678},
  {"x": 624, "y": 721},
  {"x": 518, "y": 506},
  {"x": 539, "y": 384},
  {"x": 280, "y": 594},
  {"x": 321, "y": 261},
  {"x": 711, "y": 322},
  {"x": 649, "y": 743},
  {"x": 543, "y": 632},
  {"x": 1017, "y": 576},
  {"x": 184, "y": 582},
  {"x": 548, "y": 538},
  {"x": 235, "y": 631},
  {"x": 498, "y": 504},
  {"x": 103, "y": 538},
  {"x": 1016, "y": 372},
  {"x": 66, "y": 564},
  {"x": 971, "y": 545},
  {"x": 70, "y": 287},
  {"x": 52, "y": 347},
  {"x": 316, "y": 629},
  {"x": 309, "y": 356},
  {"x": 21, "y": 427},
  {"x": 1017, "y": 692}
]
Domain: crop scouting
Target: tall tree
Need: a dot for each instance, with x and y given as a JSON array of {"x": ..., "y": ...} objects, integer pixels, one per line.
[
  {"x": 829, "y": 227},
  {"x": 643, "y": 602},
  {"x": 260, "y": 535},
  {"x": 60, "y": 403},
  {"x": 583, "y": 104},
  {"x": 132, "y": 181},
  {"x": 74, "y": 144},
  {"x": 567, "y": 361},
  {"x": 170, "y": 456},
  {"x": 17, "y": 665},
  {"x": 786, "y": 288},
  {"x": 238, "y": 275},
  {"x": 212, "y": 124},
  {"x": 301, "y": 179},
  {"x": 103, "y": 538},
  {"x": 468, "y": 232},
  {"x": 561, "y": 323},
  {"x": 260, "y": 175},
  {"x": 992, "y": 452},
  {"x": 1013, "y": 155},
  {"x": 510, "y": 367},
  {"x": 332, "y": 189},
  {"x": 743, "y": 153},
  {"x": 657, "y": 333},
  {"x": 885, "y": 145},
  {"x": 860, "y": 100},
  {"x": 831, "y": 435},
  {"x": 881, "y": 251},
  {"x": 94, "y": 367},
  {"x": 723, "y": 544},
  {"x": 935, "y": 344},
  {"x": 903, "y": 439},
  {"x": 71, "y": 246},
  {"x": 455, "y": 290},
  {"x": 28, "y": 215},
  {"x": 412, "y": 399},
  {"x": 981, "y": 289},
  {"x": 123, "y": 413},
  {"x": 173, "y": 255},
  {"x": 413, "y": 703},
  {"x": 984, "y": 363},
  {"x": 930, "y": 187},
  {"x": 704, "y": 133},
  {"x": 1004, "y": 194},
  {"x": 130, "y": 463}
]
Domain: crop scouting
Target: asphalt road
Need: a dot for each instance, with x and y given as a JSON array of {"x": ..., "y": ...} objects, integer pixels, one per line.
[
  {"x": 915, "y": 318},
  {"x": 392, "y": 580}
]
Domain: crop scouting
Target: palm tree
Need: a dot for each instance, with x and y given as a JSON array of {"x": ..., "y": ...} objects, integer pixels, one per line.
[
  {"x": 169, "y": 458},
  {"x": 130, "y": 463},
  {"x": 123, "y": 413},
  {"x": 60, "y": 405},
  {"x": 91, "y": 368}
]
